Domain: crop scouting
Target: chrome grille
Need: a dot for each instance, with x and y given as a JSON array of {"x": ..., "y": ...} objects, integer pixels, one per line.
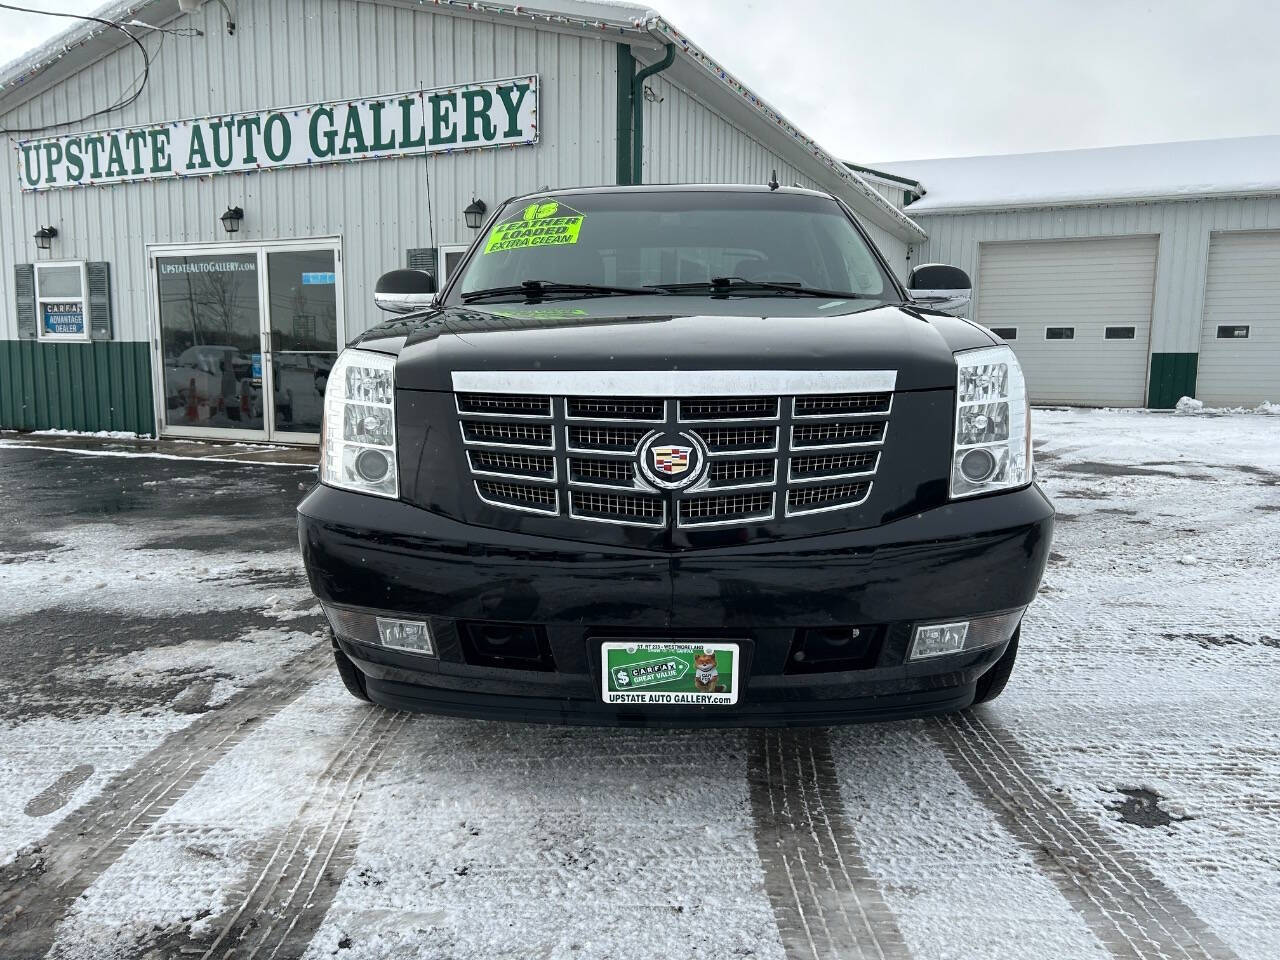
[
  {"x": 765, "y": 456},
  {"x": 729, "y": 408},
  {"x": 504, "y": 405},
  {"x": 617, "y": 408}
]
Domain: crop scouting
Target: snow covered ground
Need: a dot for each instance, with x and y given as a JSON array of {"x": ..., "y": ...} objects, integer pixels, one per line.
[{"x": 168, "y": 788}]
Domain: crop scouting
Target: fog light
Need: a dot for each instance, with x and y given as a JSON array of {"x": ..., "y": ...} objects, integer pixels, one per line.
[
  {"x": 412, "y": 636},
  {"x": 939, "y": 639},
  {"x": 372, "y": 465},
  {"x": 978, "y": 465}
]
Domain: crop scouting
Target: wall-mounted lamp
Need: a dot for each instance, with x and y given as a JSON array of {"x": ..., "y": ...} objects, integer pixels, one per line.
[
  {"x": 475, "y": 213},
  {"x": 44, "y": 237},
  {"x": 231, "y": 219}
]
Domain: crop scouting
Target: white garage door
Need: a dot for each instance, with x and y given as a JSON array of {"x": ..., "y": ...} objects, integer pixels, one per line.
[
  {"x": 1076, "y": 312},
  {"x": 1240, "y": 338}
]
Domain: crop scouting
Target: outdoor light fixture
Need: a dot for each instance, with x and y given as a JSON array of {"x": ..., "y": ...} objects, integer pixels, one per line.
[
  {"x": 231, "y": 219},
  {"x": 44, "y": 237},
  {"x": 475, "y": 213}
]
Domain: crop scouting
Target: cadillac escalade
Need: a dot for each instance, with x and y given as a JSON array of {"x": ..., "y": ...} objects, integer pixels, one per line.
[{"x": 676, "y": 455}]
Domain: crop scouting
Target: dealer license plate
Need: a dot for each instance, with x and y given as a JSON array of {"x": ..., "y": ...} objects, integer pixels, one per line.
[{"x": 659, "y": 673}]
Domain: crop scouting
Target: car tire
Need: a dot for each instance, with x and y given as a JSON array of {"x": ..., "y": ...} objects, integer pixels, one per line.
[
  {"x": 992, "y": 683},
  {"x": 351, "y": 676}
]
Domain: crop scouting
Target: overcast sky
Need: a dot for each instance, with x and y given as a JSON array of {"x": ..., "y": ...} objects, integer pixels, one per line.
[{"x": 903, "y": 79}]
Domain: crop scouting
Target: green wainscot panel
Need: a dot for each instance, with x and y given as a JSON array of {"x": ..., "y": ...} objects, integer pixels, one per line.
[
  {"x": 1173, "y": 376},
  {"x": 95, "y": 385}
]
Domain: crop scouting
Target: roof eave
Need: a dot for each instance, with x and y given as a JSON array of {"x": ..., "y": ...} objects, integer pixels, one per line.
[{"x": 1101, "y": 201}]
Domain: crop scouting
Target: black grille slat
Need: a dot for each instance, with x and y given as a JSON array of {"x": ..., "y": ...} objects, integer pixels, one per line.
[
  {"x": 532, "y": 465},
  {"x": 542, "y": 499},
  {"x": 618, "y": 473},
  {"x": 619, "y": 439},
  {"x": 836, "y": 434},
  {"x": 617, "y": 408},
  {"x": 832, "y": 464},
  {"x": 839, "y": 403},
  {"x": 729, "y": 408},
  {"x": 738, "y": 438},
  {"x": 819, "y": 497},
  {"x": 729, "y": 472},
  {"x": 618, "y": 507},
  {"x": 509, "y": 434},
  {"x": 725, "y": 508},
  {"x": 506, "y": 404}
]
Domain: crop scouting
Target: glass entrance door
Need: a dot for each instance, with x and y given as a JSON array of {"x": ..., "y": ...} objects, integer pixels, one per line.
[
  {"x": 210, "y": 327},
  {"x": 246, "y": 336},
  {"x": 302, "y": 296}
]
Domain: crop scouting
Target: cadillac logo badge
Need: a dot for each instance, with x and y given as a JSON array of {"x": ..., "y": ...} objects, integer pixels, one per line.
[{"x": 671, "y": 462}]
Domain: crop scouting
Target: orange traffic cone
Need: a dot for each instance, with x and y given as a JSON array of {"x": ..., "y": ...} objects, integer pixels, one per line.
[{"x": 192, "y": 412}]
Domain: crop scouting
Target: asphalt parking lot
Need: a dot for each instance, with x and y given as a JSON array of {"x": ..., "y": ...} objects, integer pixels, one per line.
[{"x": 183, "y": 775}]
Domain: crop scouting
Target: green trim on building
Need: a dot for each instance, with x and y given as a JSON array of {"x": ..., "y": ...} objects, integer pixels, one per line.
[
  {"x": 1173, "y": 376},
  {"x": 95, "y": 385},
  {"x": 626, "y": 76}
]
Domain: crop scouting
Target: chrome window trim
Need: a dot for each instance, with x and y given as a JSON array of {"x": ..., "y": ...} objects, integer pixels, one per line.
[
  {"x": 675, "y": 384},
  {"x": 753, "y": 518},
  {"x": 457, "y": 404},
  {"x": 806, "y": 417},
  {"x": 789, "y": 512},
  {"x": 514, "y": 506}
]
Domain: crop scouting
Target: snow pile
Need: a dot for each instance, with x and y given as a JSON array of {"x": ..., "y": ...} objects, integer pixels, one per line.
[
  {"x": 1241, "y": 165},
  {"x": 99, "y": 434},
  {"x": 1191, "y": 406}
]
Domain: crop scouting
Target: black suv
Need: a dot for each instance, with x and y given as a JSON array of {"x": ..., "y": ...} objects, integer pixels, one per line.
[{"x": 675, "y": 455}]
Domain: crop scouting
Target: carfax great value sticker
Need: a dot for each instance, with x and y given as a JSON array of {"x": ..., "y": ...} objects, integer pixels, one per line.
[
  {"x": 648, "y": 674},
  {"x": 543, "y": 223}
]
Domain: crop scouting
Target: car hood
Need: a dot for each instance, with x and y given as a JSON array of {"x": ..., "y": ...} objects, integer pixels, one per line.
[{"x": 646, "y": 333}]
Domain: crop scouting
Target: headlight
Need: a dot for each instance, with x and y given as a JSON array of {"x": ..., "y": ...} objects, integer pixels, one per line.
[
  {"x": 358, "y": 438},
  {"x": 992, "y": 445}
]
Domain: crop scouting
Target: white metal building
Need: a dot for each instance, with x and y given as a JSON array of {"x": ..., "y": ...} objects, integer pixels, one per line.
[
  {"x": 339, "y": 138},
  {"x": 1123, "y": 276}
]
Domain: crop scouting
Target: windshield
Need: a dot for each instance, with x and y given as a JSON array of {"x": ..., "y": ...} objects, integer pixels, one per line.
[{"x": 641, "y": 239}]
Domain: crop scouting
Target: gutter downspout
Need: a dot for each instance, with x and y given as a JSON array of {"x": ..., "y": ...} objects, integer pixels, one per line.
[{"x": 637, "y": 111}]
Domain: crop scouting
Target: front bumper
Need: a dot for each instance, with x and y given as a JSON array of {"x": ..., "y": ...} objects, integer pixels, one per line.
[{"x": 959, "y": 561}]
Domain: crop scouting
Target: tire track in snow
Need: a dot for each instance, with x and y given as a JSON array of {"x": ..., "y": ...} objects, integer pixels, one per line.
[
  {"x": 295, "y": 880},
  {"x": 39, "y": 888},
  {"x": 825, "y": 902},
  {"x": 1133, "y": 914}
]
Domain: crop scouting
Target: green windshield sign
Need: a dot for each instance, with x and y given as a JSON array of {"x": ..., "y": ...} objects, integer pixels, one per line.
[{"x": 539, "y": 224}]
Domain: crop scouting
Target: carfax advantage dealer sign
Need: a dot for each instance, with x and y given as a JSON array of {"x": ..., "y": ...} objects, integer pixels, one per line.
[{"x": 491, "y": 113}]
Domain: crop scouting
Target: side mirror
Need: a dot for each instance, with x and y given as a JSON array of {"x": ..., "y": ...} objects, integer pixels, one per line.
[
  {"x": 940, "y": 287},
  {"x": 404, "y": 291}
]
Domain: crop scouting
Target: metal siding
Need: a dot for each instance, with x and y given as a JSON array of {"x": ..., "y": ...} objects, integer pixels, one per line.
[
  {"x": 1243, "y": 287},
  {"x": 1183, "y": 227},
  {"x": 1088, "y": 285},
  {"x": 377, "y": 207}
]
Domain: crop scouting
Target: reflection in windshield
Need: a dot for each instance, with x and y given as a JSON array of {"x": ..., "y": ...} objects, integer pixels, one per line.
[{"x": 641, "y": 239}]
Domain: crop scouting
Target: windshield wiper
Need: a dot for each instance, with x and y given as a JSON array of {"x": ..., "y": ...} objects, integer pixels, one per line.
[
  {"x": 743, "y": 285},
  {"x": 540, "y": 288}
]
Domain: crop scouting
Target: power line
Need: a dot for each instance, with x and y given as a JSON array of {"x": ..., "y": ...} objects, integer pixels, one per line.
[{"x": 141, "y": 81}]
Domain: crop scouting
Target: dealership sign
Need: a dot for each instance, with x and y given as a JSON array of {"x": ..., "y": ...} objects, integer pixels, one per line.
[{"x": 489, "y": 114}]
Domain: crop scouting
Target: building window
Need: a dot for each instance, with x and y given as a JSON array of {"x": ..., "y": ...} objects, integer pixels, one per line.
[
  {"x": 451, "y": 256},
  {"x": 1233, "y": 332},
  {"x": 1120, "y": 333},
  {"x": 1060, "y": 333},
  {"x": 1005, "y": 333},
  {"x": 61, "y": 307}
]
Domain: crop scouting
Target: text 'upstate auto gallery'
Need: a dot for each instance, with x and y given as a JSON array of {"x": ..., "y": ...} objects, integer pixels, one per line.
[{"x": 189, "y": 262}]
